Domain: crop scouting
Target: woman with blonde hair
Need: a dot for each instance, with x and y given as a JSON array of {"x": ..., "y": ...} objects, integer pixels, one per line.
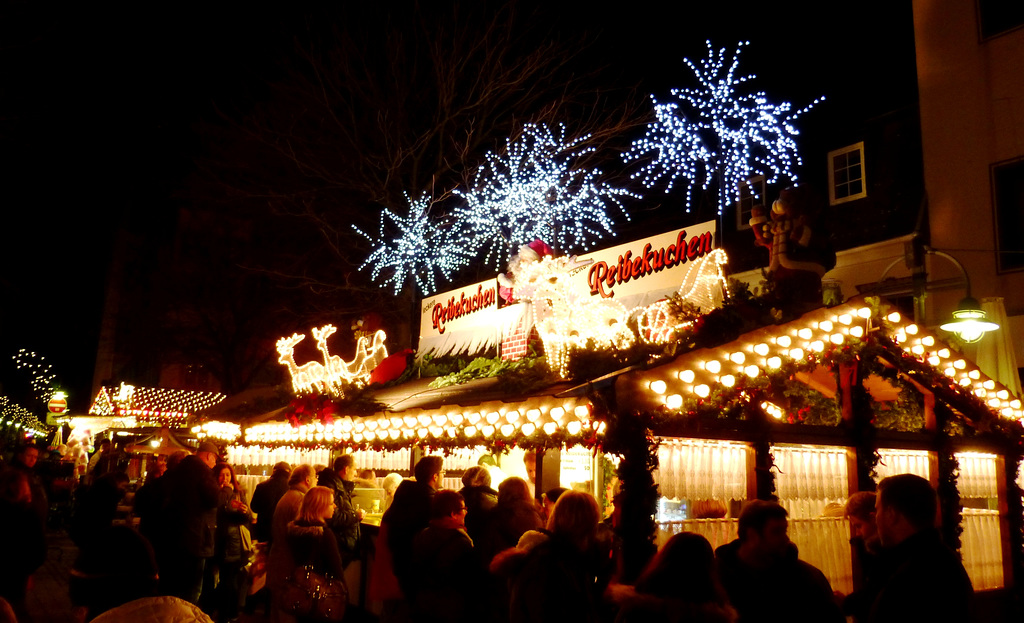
[{"x": 312, "y": 543}]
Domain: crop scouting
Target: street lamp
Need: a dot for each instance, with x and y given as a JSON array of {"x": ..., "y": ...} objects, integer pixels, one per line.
[{"x": 970, "y": 322}]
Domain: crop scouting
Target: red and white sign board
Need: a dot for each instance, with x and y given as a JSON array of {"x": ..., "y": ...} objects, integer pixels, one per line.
[
  {"x": 634, "y": 274},
  {"x": 57, "y": 405},
  {"x": 643, "y": 271}
]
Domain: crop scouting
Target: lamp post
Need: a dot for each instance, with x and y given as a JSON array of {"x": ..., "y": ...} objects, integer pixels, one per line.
[{"x": 969, "y": 321}]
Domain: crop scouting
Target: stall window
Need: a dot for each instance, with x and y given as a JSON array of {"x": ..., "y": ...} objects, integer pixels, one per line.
[
  {"x": 980, "y": 543},
  {"x": 1008, "y": 200},
  {"x": 702, "y": 484},
  {"x": 812, "y": 483},
  {"x": 846, "y": 174}
]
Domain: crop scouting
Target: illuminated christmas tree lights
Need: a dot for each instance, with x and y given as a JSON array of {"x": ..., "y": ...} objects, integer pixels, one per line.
[{"x": 711, "y": 134}]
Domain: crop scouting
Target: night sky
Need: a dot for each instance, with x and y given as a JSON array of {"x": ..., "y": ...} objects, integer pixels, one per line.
[{"x": 99, "y": 110}]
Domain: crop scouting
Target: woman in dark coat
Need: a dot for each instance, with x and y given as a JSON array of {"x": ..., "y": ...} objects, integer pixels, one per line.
[
  {"x": 312, "y": 543},
  {"x": 480, "y": 500},
  {"x": 230, "y": 552}
]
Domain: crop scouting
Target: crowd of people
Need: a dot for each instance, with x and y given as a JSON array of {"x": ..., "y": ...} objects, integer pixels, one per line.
[{"x": 446, "y": 556}]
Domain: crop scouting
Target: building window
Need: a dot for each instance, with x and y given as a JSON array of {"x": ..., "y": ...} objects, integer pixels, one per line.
[
  {"x": 751, "y": 194},
  {"x": 996, "y": 17},
  {"x": 1008, "y": 200},
  {"x": 846, "y": 174}
]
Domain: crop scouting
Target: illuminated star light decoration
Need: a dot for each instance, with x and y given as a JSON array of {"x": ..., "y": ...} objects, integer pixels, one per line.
[
  {"x": 535, "y": 191},
  {"x": 419, "y": 249},
  {"x": 713, "y": 134}
]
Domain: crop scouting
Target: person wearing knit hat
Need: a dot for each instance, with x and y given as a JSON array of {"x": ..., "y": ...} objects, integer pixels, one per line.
[{"x": 209, "y": 453}]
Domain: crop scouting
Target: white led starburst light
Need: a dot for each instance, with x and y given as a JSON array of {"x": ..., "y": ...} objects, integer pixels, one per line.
[
  {"x": 536, "y": 191},
  {"x": 419, "y": 248},
  {"x": 712, "y": 134}
]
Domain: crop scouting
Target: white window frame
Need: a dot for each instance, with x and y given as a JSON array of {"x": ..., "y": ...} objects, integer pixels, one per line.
[
  {"x": 757, "y": 180},
  {"x": 859, "y": 147}
]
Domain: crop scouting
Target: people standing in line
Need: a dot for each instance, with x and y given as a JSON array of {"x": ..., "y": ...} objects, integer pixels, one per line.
[
  {"x": 280, "y": 561},
  {"x": 230, "y": 552},
  {"x": 265, "y": 498},
  {"x": 346, "y": 519},
  {"x": 764, "y": 576},
  {"x": 311, "y": 541},
  {"x": 925, "y": 580},
  {"x": 22, "y": 544},
  {"x": 480, "y": 500},
  {"x": 410, "y": 513},
  {"x": 190, "y": 512},
  {"x": 679, "y": 584},
  {"x": 449, "y": 580},
  {"x": 25, "y": 459},
  {"x": 867, "y": 550}
]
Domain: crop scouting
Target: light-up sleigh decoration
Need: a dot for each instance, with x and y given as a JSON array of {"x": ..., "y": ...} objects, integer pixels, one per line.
[
  {"x": 334, "y": 374},
  {"x": 704, "y": 286}
]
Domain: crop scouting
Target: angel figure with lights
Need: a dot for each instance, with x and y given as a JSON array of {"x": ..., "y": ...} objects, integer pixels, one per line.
[{"x": 799, "y": 250}]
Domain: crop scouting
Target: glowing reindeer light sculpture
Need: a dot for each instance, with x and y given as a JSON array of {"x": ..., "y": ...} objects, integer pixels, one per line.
[{"x": 334, "y": 373}]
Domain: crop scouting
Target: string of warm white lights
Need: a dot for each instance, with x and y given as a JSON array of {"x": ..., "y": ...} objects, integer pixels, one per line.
[
  {"x": 534, "y": 418},
  {"x": 767, "y": 349},
  {"x": 713, "y": 134},
  {"x": 156, "y": 404},
  {"x": 41, "y": 373},
  {"x": 23, "y": 420}
]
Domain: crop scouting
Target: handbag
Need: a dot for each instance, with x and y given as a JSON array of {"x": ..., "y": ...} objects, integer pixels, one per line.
[{"x": 315, "y": 596}]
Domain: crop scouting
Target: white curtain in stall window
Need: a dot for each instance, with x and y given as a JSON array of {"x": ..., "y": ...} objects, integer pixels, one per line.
[
  {"x": 717, "y": 531},
  {"x": 892, "y": 462},
  {"x": 981, "y": 548},
  {"x": 977, "y": 478},
  {"x": 807, "y": 478},
  {"x": 702, "y": 470},
  {"x": 825, "y": 543}
]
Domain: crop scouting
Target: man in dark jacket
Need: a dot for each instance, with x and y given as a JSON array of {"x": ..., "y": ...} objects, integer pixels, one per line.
[
  {"x": 346, "y": 519},
  {"x": 410, "y": 513},
  {"x": 765, "y": 579},
  {"x": 926, "y": 580},
  {"x": 265, "y": 498},
  {"x": 191, "y": 512}
]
